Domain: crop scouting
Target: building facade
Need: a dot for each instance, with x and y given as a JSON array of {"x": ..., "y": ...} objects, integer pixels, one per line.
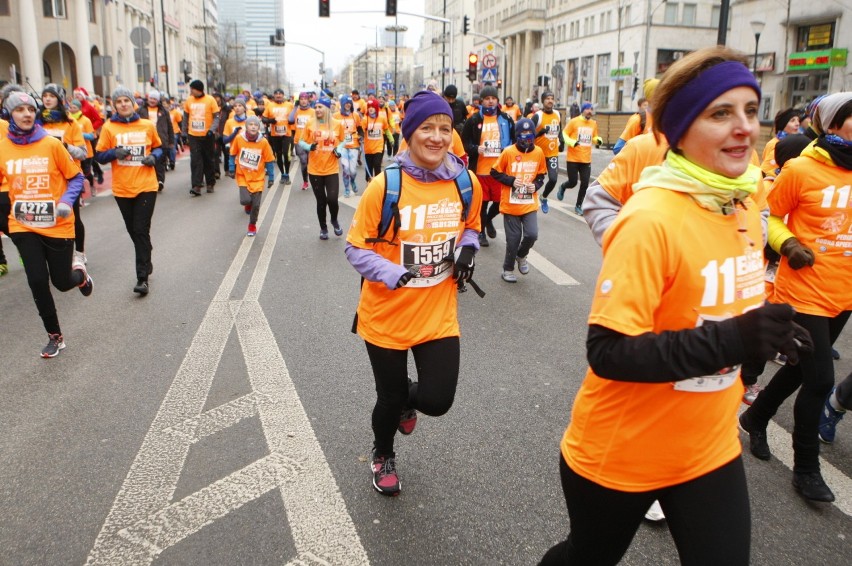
[
  {"x": 99, "y": 44},
  {"x": 433, "y": 60},
  {"x": 244, "y": 30}
]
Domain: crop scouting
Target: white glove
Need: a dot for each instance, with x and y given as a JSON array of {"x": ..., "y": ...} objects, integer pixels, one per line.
[{"x": 63, "y": 210}]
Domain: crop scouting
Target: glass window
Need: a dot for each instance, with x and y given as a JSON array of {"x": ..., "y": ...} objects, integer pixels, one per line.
[
  {"x": 819, "y": 36},
  {"x": 54, "y": 8},
  {"x": 4, "y": 8},
  {"x": 715, "y": 14},
  {"x": 92, "y": 11},
  {"x": 688, "y": 15},
  {"x": 671, "y": 14}
]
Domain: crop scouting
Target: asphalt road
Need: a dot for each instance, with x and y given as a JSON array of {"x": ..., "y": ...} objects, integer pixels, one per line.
[{"x": 225, "y": 418}]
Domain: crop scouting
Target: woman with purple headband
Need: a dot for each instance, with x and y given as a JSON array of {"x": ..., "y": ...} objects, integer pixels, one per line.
[{"x": 678, "y": 308}]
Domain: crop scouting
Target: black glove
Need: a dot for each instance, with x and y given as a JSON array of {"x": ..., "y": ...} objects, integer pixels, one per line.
[
  {"x": 210, "y": 134},
  {"x": 237, "y": 130},
  {"x": 267, "y": 120},
  {"x": 149, "y": 160},
  {"x": 121, "y": 152},
  {"x": 768, "y": 330},
  {"x": 463, "y": 268},
  {"x": 404, "y": 279},
  {"x": 798, "y": 256},
  {"x": 336, "y": 153},
  {"x": 801, "y": 342},
  {"x": 313, "y": 147}
]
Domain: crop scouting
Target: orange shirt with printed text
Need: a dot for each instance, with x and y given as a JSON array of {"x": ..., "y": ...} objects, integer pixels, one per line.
[
  {"x": 70, "y": 133},
  {"x": 549, "y": 140},
  {"x": 374, "y": 133},
  {"x": 322, "y": 160},
  {"x": 351, "y": 124},
  {"x": 199, "y": 113},
  {"x": 490, "y": 138},
  {"x": 523, "y": 166},
  {"x": 281, "y": 112},
  {"x": 250, "y": 159},
  {"x": 303, "y": 119},
  {"x": 129, "y": 176},
  {"x": 584, "y": 131}
]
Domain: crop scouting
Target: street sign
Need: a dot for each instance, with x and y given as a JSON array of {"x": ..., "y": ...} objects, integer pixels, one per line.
[
  {"x": 489, "y": 61},
  {"x": 387, "y": 76},
  {"x": 489, "y": 75}
]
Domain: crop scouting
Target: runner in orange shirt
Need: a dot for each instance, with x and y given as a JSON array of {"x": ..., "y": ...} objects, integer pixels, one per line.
[
  {"x": 5, "y": 206},
  {"x": 376, "y": 129},
  {"x": 251, "y": 158},
  {"x": 521, "y": 169},
  {"x": 786, "y": 123},
  {"x": 641, "y": 122},
  {"x": 275, "y": 115},
  {"x": 43, "y": 182},
  {"x": 512, "y": 109},
  {"x": 677, "y": 308},
  {"x": 300, "y": 117},
  {"x": 548, "y": 125},
  {"x": 353, "y": 132},
  {"x": 812, "y": 193},
  {"x": 409, "y": 297},
  {"x": 395, "y": 119},
  {"x": 201, "y": 126},
  {"x": 324, "y": 140},
  {"x": 579, "y": 135},
  {"x": 133, "y": 147}
]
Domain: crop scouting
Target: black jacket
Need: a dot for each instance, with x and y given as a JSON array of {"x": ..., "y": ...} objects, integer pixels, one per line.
[
  {"x": 472, "y": 134},
  {"x": 163, "y": 122}
]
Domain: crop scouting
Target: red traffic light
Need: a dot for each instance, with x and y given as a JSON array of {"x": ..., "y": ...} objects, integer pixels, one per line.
[{"x": 473, "y": 59}]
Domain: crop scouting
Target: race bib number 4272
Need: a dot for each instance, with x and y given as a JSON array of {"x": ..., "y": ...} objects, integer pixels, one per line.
[{"x": 35, "y": 213}]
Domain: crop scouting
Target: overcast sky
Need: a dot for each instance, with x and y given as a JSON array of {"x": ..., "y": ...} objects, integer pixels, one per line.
[{"x": 341, "y": 35}]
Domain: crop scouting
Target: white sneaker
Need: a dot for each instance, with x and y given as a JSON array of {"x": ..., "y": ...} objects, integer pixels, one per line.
[
  {"x": 655, "y": 512},
  {"x": 81, "y": 257},
  {"x": 509, "y": 277},
  {"x": 78, "y": 261},
  {"x": 523, "y": 265},
  {"x": 750, "y": 394}
]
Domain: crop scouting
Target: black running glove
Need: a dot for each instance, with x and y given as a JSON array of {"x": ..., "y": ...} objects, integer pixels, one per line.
[
  {"x": 798, "y": 256},
  {"x": 406, "y": 277},
  {"x": 801, "y": 342},
  {"x": 149, "y": 160},
  {"x": 463, "y": 268},
  {"x": 767, "y": 330},
  {"x": 121, "y": 152}
]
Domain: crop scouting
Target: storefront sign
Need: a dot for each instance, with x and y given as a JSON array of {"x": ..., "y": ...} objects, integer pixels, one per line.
[
  {"x": 620, "y": 73},
  {"x": 822, "y": 59}
]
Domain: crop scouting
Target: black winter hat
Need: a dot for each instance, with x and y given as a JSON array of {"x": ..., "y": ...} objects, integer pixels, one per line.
[
  {"x": 785, "y": 116},
  {"x": 197, "y": 85},
  {"x": 488, "y": 91}
]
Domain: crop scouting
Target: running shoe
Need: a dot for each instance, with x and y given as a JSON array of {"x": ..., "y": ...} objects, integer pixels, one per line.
[
  {"x": 323, "y": 234},
  {"x": 523, "y": 265},
  {"x": 282, "y": 180},
  {"x": 195, "y": 191},
  {"x": 385, "y": 479},
  {"x": 305, "y": 186},
  {"x": 751, "y": 392},
  {"x": 491, "y": 230},
  {"x": 407, "y": 421},
  {"x": 828, "y": 419},
  {"x": 354, "y": 188},
  {"x": 252, "y": 230},
  {"x": 269, "y": 183},
  {"x": 758, "y": 442},
  {"x": 560, "y": 194},
  {"x": 346, "y": 194},
  {"x": 509, "y": 277},
  {"x": 141, "y": 287},
  {"x": 100, "y": 178},
  {"x": 82, "y": 257},
  {"x": 810, "y": 485},
  {"x": 578, "y": 210},
  {"x": 211, "y": 188},
  {"x": 835, "y": 355},
  {"x": 338, "y": 231},
  {"x": 545, "y": 208},
  {"x": 286, "y": 179},
  {"x": 483, "y": 241},
  {"x": 55, "y": 343},
  {"x": 4, "y": 269},
  {"x": 247, "y": 208},
  {"x": 87, "y": 286},
  {"x": 655, "y": 512}
]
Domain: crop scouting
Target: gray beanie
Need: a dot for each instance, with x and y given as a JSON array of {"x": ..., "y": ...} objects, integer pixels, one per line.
[
  {"x": 828, "y": 108},
  {"x": 155, "y": 94},
  {"x": 18, "y": 98},
  {"x": 252, "y": 120},
  {"x": 488, "y": 91},
  {"x": 122, "y": 91},
  {"x": 8, "y": 89}
]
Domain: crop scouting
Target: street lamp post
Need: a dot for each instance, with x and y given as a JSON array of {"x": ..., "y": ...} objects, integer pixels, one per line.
[
  {"x": 757, "y": 27},
  {"x": 395, "y": 29},
  {"x": 648, "y": 19}
]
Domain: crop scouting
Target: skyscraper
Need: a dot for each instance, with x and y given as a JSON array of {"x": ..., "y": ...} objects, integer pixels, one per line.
[{"x": 249, "y": 24}]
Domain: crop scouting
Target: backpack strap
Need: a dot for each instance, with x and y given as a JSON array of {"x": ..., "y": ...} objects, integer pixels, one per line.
[
  {"x": 643, "y": 121},
  {"x": 464, "y": 186},
  {"x": 390, "y": 206}
]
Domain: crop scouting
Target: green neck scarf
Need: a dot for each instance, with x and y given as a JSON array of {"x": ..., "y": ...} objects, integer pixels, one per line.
[{"x": 710, "y": 190}]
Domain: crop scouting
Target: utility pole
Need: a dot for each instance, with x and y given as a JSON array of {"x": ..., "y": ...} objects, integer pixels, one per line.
[{"x": 165, "y": 40}]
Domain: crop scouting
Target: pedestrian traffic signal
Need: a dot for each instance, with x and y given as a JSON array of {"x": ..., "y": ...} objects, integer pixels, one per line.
[
  {"x": 151, "y": 81},
  {"x": 472, "y": 61},
  {"x": 499, "y": 83},
  {"x": 466, "y": 27},
  {"x": 390, "y": 7},
  {"x": 324, "y": 8}
]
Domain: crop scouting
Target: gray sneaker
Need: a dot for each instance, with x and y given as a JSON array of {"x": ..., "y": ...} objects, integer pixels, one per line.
[
  {"x": 523, "y": 265},
  {"x": 509, "y": 277}
]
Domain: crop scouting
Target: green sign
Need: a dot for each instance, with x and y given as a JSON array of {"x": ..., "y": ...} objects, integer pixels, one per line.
[
  {"x": 822, "y": 59},
  {"x": 622, "y": 72}
]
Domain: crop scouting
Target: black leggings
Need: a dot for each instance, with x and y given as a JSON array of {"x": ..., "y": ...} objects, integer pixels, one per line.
[
  {"x": 437, "y": 365},
  {"x": 374, "y": 165},
  {"x": 583, "y": 171},
  {"x": 709, "y": 518},
  {"x": 814, "y": 377},
  {"x": 47, "y": 260},
  {"x": 326, "y": 190},
  {"x": 137, "y": 213},
  {"x": 488, "y": 213},
  {"x": 281, "y": 149},
  {"x": 552, "y": 175},
  {"x": 5, "y": 209},
  {"x": 79, "y": 229}
]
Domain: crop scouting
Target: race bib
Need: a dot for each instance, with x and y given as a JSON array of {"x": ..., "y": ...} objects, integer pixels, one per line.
[
  {"x": 374, "y": 134},
  {"x": 492, "y": 148},
  {"x": 584, "y": 136},
  {"x": 524, "y": 195},
  {"x": 249, "y": 158},
  {"x": 281, "y": 130},
  {"x": 551, "y": 131},
  {"x": 197, "y": 125},
  {"x": 35, "y": 213},
  {"x": 301, "y": 121},
  {"x": 134, "y": 157},
  {"x": 430, "y": 263},
  {"x": 55, "y": 132},
  {"x": 347, "y": 137},
  {"x": 710, "y": 383}
]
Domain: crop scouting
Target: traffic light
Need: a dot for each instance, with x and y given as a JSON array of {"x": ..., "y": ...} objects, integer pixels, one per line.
[
  {"x": 390, "y": 7},
  {"x": 472, "y": 61},
  {"x": 466, "y": 27},
  {"x": 579, "y": 86},
  {"x": 324, "y": 8},
  {"x": 499, "y": 83},
  {"x": 151, "y": 81},
  {"x": 635, "y": 85}
]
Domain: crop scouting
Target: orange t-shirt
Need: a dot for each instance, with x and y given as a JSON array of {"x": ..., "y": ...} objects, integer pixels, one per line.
[
  {"x": 549, "y": 141},
  {"x": 199, "y": 113},
  {"x": 374, "y": 133},
  {"x": 176, "y": 115},
  {"x": 659, "y": 274},
  {"x": 456, "y": 147},
  {"x": 351, "y": 124},
  {"x": 633, "y": 126},
  {"x": 490, "y": 138},
  {"x": 814, "y": 195},
  {"x": 36, "y": 176},
  {"x": 232, "y": 125},
  {"x": 281, "y": 112},
  {"x": 523, "y": 166},
  {"x": 86, "y": 128},
  {"x": 322, "y": 160},
  {"x": 4, "y": 127},
  {"x": 250, "y": 159},
  {"x": 768, "y": 164},
  {"x": 394, "y": 119},
  {"x": 303, "y": 118},
  {"x": 514, "y": 111},
  {"x": 585, "y": 132},
  {"x": 129, "y": 176},
  {"x": 431, "y": 226},
  {"x": 70, "y": 133},
  {"x": 361, "y": 106}
]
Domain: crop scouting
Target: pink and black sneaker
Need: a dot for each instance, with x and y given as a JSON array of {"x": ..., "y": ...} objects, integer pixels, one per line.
[
  {"x": 407, "y": 421},
  {"x": 385, "y": 479}
]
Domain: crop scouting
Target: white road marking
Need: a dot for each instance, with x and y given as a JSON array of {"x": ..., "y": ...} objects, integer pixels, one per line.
[
  {"x": 565, "y": 209},
  {"x": 144, "y": 520}
]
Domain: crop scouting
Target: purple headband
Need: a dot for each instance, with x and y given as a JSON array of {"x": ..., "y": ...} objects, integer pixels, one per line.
[
  {"x": 419, "y": 107},
  {"x": 690, "y": 101}
]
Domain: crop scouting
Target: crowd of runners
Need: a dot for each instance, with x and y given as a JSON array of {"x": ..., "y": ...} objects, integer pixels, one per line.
[{"x": 715, "y": 259}]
